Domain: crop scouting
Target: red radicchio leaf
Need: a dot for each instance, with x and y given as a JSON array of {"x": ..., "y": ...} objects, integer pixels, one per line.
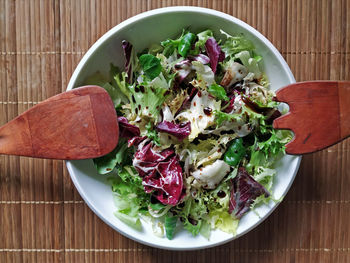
[
  {"x": 201, "y": 58},
  {"x": 180, "y": 131},
  {"x": 230, "y": 106},
  {"x": 269, "y": 112},
  {"x": 126, "y": 129},
  {"x": 272, "y": 115},
  {"x": 183, "y": 68},
  {"x": 127, "y": 48},
  {"x": 166, "y": 183},
  {"x": 244, "y": 191},
  {"x": 187, "y": 102},
  {"x": 161, "y": 173},
  {"x": 136, "y": 140},
  {"x": 214, "y": 52},
  {"x": 146, "y": 157}
]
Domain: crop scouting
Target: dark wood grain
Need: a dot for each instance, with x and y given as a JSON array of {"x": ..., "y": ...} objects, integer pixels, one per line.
[
  {"x": 78, "y": 124},
  {"x": 318, "y": 114}
]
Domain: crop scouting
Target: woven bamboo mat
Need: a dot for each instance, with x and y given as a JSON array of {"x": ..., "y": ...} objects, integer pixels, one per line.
[{"x": 43, "y": 218}]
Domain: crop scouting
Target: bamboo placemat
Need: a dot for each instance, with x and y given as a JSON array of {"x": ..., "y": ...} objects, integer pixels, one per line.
[{"x": 43, "y": 218}]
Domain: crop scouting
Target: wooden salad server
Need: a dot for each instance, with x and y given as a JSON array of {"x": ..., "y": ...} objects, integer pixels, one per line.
[
  {"x": 319, "y": 114},
  {"x": 78, "y": 124}
]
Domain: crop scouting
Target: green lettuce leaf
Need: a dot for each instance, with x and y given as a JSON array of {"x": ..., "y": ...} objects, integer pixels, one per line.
[
  {"x": 145, "y": 99},
  {"x": 129, "y": 196},
  {"x": 122, "y": 84},
  {"x": 191, "y": 213},
  {"x": 120, "y": 156},
  {"x": 205, "y": 75},
  {"x": 156, "y": 206},
  {"x": 152, "y": 134},
  {"x": 148, "y": 103},
  {"x": 216, "y": 205},
  {"x": 109, "y": 84},
  {"x": 150, "y": 65},
  {"x": 218, "y": 92},
  {"x": 222, "y": 220},
  {"x": 235, "y": 152},
  {"x": 265, "y": 153},
  {"x": 170, "y": 45},
  {"x": 250, "y": 63},
  {"x": 254, "y": 117},
  {"x": 132, "y": 221},
  {"x": 200, "y": 44},
  {"x": 183, "y": 44},
  {"x": 221, "y": 117},
  {"x": 192, "y": 228},
  {"x": 235, "y": 44},
  {"x": 264, "y": 176},
  {"x": 205, "y": 229},
  {"x": 203, "y": 153},
  {"x": 276, "y": 143},
  {"x": 170, "y": 226}
]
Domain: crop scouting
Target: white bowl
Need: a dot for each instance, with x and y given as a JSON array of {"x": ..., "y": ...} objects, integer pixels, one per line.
[{"x": 143, "y": 30}]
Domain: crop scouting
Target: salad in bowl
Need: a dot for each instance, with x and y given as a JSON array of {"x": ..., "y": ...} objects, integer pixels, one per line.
[
  {"x": 197, "y": 148},
  {"x": 135, "y": 195}
]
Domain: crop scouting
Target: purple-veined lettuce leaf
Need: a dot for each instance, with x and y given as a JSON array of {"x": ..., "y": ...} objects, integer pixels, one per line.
[
  {"x": 214, "y": 52},
  {"x": 136, "y": 140},
  {"x": 270, "y": 113},
  {"x": 127, "y": 130},
  {"x": 166, "y": 183},
  {"x": 183, "y": 68},
  {"x": 187, "y": 102},
  {"x": 201, "y": 58},
  {"x": 146, "y": 157},
  {"x": 128, "y": 54},
  {"x": 180, "y": 131},
  {"x": 229, "y": 107},
  {"x": 243, "y": 193},
  {"x": 161, "y": 173}
]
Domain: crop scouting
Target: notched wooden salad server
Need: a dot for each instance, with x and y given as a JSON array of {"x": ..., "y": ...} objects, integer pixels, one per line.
[
  {"x": 77, "y": 124},
  {"x": 319, "y": 114}
]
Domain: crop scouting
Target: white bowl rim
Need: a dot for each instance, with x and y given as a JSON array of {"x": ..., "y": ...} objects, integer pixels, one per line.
[{"x": 143, "y": 15}]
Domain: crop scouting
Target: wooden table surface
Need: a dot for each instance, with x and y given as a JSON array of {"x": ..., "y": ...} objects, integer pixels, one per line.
[{"x": 43, "y": 218}]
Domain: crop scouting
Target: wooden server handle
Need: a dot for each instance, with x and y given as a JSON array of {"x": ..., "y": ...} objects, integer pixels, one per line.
[{"x": 77, "y": 124}]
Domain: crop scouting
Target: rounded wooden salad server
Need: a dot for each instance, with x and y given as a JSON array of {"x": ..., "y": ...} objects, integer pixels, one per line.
[
  {"x": 78, "y": 124},
  {"x": 319, "y": 114}
]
